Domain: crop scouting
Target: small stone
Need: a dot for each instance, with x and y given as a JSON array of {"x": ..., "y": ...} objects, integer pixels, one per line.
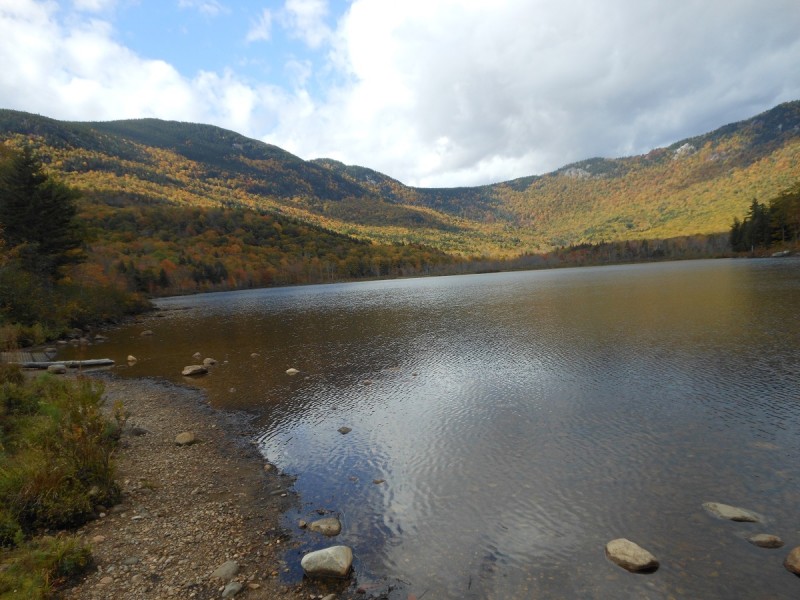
[
  {"x": 254, "y": 355},
  {"x": 129, "y": 561},
  {"x": 194, "y": 370},
  {"x": 131, "y": 359},
  {"x": 344, "y": 430},
  {"x": 792, "y": 562},
  {"x": 329, "y": 562},
  {"x": 185, "y": 439},
  {"x": 765, "y": 540},
  {"x": 330, "y": 597},
  {"x": 98, "y": 539},
  {"x": 227, "y": 570},
  {"x": 254, "y": 586},
  {"x": 57, "y": 369},
  {"x": 146, "y": 332},
  {"x": 268, "y": 467},
  {"x": 366, "y": 382},
  {"x": 378, "y": 481},
  {"x": 233, "y": 588},
  {"x": 732, "y": 513},
  {"x": 302, "y": 524},
  {"x": 209, "y": 362},
  {"x": 196, "y": 356},
  {"x": 330, "y": 526},
  {"x": 292, "y": 371},
  {"x": 106, "y": 580},
  {"x": 630, "y": 556}
]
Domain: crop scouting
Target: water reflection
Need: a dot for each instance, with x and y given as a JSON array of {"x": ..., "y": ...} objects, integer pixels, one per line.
[{"x": 522, "y": 420}]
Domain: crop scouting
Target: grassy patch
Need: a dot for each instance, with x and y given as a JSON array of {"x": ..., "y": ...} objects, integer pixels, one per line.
[{"x": 56, "y": 468}]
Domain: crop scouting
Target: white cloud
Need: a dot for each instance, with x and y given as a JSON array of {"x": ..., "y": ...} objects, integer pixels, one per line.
[
  {"x": 452, "y": 92},
  {"x": 94, "y": 5},
  {"x": 261, "y": 28},
  {"x": 435, "y": 92},
  {"x": 82, "y": 73},
  {"x": 305, "y": 20},
  {"x": 211, "y": 8}
]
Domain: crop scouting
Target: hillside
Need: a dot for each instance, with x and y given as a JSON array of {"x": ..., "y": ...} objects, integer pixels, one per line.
[{"x": 694, "y": 186}]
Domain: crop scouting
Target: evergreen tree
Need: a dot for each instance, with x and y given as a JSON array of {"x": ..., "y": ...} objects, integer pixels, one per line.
[{"x": 38, "y": 215}]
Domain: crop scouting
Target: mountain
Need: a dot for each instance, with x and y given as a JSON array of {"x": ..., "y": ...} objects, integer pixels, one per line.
[{"x": 695, "y": 186}]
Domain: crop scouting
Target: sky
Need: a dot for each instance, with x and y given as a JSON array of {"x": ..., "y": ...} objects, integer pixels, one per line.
[{"x": 431, "y": 92}]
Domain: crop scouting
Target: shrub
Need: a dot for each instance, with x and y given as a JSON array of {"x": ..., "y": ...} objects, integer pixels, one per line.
[{"x": 35, "y": 570}]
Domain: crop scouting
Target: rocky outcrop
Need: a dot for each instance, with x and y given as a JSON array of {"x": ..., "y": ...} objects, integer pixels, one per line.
[
  {"x": 335, "y": 561},
  {"x": 631, "y": 556}
]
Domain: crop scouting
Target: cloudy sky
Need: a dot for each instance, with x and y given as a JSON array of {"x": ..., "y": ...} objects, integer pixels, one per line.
[{"x": 432, "y": 92}]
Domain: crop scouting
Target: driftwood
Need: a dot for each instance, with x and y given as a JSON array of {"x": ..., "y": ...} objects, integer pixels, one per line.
[{"x": 70, "y": 364}]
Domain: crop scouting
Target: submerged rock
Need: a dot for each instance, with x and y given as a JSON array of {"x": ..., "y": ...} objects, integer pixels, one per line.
[
  {"x": 329, "y": 562},
  {"x": 193, "y": 370},
  {"x": 209, "y": 362},
  {"x": 732, "y": 513},
  {"x": 344, "y": 430},
  {"x": 330, "y": 526},
  {"x": 630, "y": 556},
  {"x": 765, "y": 540},
  {"x": 292, "y": 371},
  {"x": 792, "y": 562},
  {"x": 131, "y": 359}
]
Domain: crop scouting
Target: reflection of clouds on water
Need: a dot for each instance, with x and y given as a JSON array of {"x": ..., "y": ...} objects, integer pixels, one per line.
[{"x": 521, "y": 420}]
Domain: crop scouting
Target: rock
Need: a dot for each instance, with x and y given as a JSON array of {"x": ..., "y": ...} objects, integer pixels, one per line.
[
  {"x": 792, "y": 562},
  {"x": 378, "y": 481},
  {"x": 187, "y": 438},
  {"x": 196, "y": 356},
  {"x": 344, "y": 430},
  {"x": 630, "y": 556},
  {"x": 330, "y": 597},
  {"x": 233, "y": 588},
  {"x": 292, "y": 371},
  {"x": 209, "y": 362},
  {"x": 268, "y": 467},
  {"x": 732, "y": 513},
  {"x": 100, "y": 338},
  {"x": 129, "y": 561},
  {"x": 131, "y": 359},
  {"x": 227, "y": 570},
  {"x": 765, "y": 540},
  {"x": 193, "y": 370},
  {"x": 330, "y": 526},
  {"x": 254, "y": 355},
  {"x": 146, "y": 333},
  {"x": 329, "y": 562},
  {"x": 57, "y": 369}
]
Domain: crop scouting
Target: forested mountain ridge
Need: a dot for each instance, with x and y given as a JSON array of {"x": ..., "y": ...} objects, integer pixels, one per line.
[{"x": 694, "y": 186}]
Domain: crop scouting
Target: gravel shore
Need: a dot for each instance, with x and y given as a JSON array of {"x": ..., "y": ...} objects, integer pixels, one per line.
[{"x": 186, "y": 510}]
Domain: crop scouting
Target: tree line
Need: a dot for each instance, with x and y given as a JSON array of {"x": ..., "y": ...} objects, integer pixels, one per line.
[{"x": 774, "y": 224}]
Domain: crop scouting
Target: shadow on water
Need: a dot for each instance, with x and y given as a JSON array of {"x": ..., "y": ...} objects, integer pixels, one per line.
[{"x": 516, "y": 422}]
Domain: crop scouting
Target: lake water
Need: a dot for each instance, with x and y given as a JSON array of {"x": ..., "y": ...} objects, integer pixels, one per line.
[{"x": 519, "y": 421}]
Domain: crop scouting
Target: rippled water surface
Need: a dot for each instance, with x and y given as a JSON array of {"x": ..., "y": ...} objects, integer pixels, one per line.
[{"x": 522, "y": 420}]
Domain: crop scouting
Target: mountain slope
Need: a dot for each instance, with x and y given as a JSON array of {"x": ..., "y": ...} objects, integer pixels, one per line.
[{"x": 694, "y": 186}]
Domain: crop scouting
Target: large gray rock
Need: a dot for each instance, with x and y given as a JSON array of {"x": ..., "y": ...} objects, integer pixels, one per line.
[
  {"x": 792, "y": 562},
  {"x": 193, "y": 370},
  {"x": 227, "y": 570},
  {"x": 732, "y": 513},
  {"x": 765, "y": 540},
  {"x": 330, "y": 526},
  {"x": 630, "y": 556},
  {"x": 329, "y": 562}
]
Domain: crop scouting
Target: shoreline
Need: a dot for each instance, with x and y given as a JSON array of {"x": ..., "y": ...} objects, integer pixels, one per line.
[{"x": 186, "y": 510}]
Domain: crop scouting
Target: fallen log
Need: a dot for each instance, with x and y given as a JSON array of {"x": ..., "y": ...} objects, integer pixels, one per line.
[{"x": 70, "y": 364}]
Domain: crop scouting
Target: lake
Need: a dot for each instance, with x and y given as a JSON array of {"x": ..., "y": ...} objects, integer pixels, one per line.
[{"x": 517, "y": 422}]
